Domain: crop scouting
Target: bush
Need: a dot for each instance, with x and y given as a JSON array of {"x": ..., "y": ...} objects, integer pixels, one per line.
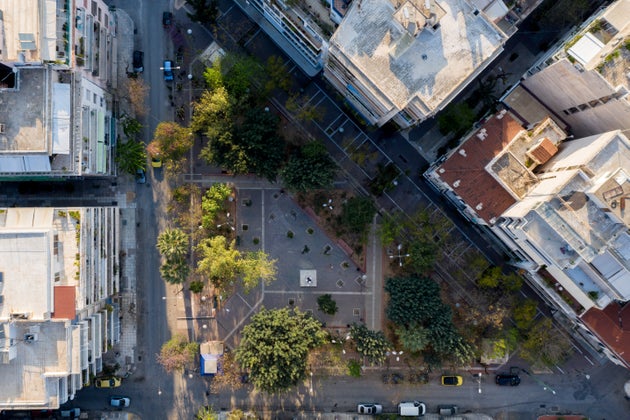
[
  {"x": 327, "y": 304},
  {"x": 354, "y": 369}
]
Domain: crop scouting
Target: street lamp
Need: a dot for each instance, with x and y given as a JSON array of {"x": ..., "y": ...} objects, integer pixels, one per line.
[
  {"x": 400, "y": 255},
  {"x": 227, "y": 222},
  {"x": 311, "y": 389},
  {"x": 328, "y": 205}
]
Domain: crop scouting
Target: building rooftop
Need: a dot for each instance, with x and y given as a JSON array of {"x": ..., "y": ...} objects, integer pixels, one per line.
[
  {"x": 410, "y": 52},
  {"x": 24, "y": 382},
  {"x": 29, "y": 30},
  {"x": 611, "y": 326}
]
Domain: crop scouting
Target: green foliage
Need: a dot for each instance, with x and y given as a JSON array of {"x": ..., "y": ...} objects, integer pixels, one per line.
[
  {"x": 177, "y": 353},
  {"x": 196, "y": 286},
  {"x": 456, "y": 118},
  {"x": 354, "y": 369},
  {"x": 206, "y": 413},
  {"x": 131, "y": 126},
  {"x": 241, "y": 75},
  {"x": 422, "y": 253},
  {"x": 371, "y": 344},
  {"x": 384, "y": 180},
  {"x": 512, "y": 282},
  {"x": 327, "y": 304},
  {"x": 357, "y": 214},
  {"x": 545, "y": 344},
  {"x": 274, "y": 347},
  {"x": 172, "y": 140},
  {"x": 310, "y": 168},
  {"x": 212, "y": 114},
  {"x": 390, "y": 229},
  {"x": 173, "y": 246},
  {"x": 278, "y": 74},
  {"x": 490, "y": 278},
  {"x": 524, "y": 314},
  {"x": 224, "y": 265},
  {"x": 175, "y": 271},
  {"x": 413, "y": 338},
  {"x": 213, "y": 202},
  {"x": 416, "y": 302},
  {"x": 131, "y": 156}
]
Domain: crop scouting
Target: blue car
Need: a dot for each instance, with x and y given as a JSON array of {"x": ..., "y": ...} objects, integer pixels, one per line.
[{"x": 168, "y": 70}]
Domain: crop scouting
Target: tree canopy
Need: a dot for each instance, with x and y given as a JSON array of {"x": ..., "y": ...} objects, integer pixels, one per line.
[
  {"x": 204, "y": 11},
  {"x": 274, "y": 347},
  {"x": 131, "y": 156},
  {"x": 545, "y": 345},
  {"x": 371, "y": 344},
  {"x": 213, "y": 202},
  {"x": 173, "y": 246},
  {"x": 172, "y": 140},
  {"x": 177, "y": 353},
  {"x": 309, "y": 168},
  {"x": 357, "y": 213},
  {"x": 416, "y": 303}
]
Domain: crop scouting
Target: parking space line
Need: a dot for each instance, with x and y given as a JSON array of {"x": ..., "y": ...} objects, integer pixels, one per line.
[{"x": 334, "y": 121}]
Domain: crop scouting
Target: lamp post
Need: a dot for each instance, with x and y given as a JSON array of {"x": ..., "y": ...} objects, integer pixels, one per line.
[
  {"x": 400, "y": 255},
  {"x": 226, "y": 223}
]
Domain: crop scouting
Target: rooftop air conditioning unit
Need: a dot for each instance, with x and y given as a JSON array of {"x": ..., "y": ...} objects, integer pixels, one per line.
[{"x": 30, "y": 338}]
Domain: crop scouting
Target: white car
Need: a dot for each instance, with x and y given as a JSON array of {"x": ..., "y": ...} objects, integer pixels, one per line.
[
  {"x": 119, "y": 401},
  {"x": 369, "y": 408}
]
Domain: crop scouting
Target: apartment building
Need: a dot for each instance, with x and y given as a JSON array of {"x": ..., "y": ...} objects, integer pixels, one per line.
[
  {"x": 58, "y": 271},
  {"x": 406, "y": 60},
  {"x": 55, "y": 109},
  {"x": 557, "y": 206}
]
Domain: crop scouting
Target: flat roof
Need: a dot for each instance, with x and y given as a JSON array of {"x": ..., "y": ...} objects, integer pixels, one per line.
[
  {"x": 428, "y": 66},
  {"x": 29, "y": 28},
  {"x": 587, "y": 48},
  {"x": 24, "y": 115}
]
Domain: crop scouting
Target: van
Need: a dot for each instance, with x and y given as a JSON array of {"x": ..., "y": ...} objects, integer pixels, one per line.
[
  {"x": 447, "y": 410},
  {"x": 411, "y": 408}
]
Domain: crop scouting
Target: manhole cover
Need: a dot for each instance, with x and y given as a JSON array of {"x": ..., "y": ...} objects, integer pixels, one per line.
[{"x": 339, "y": 283}]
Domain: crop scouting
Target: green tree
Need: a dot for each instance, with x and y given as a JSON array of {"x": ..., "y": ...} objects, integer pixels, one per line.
[
  {"x": 174, "y": 271},
  {"x": 278, "y": 74},
  {"x": 172, "y": 140},
  {"x": 206, "y": 413},
  {"x": 274, "y": 347},
  {"x": 131, "y": 156},
  {"x": 524, "y": 314},
  {"x": 242, "y": 75},
  {"x": 213, "y": 202},
  {"x": 490, "y": 278},
  {"x": 456, "y": 118},
  {"x": 422, "y": 253},
  {"x": 196, "y": 286},
  {"x": 512, "y": 282},
  {"x": 545, "y": 345},
  {"x": 327, "y": 304},
  {"x": 131, "y": 126},
  {"x": 255, "y": 267},
  {"x": 173, "y": 243},
  {"x": 309, "y": 169},
  {"x": 371, "y": 344},
  {"x": 177, "y": 353},
  {"x": 357, "y": 214},
  {"x": 413, "y": 338},
  {"x": 219, "y": 262},
  {"x": 212, "y": 114}
]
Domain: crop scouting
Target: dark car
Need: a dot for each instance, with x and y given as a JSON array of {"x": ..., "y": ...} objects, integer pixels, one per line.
[
  {"x": 506, "y": 379},
  {"x": 141, "y": 176},
  {"x": 138, "y": 61},
  {"x": 167, "y": 19}
]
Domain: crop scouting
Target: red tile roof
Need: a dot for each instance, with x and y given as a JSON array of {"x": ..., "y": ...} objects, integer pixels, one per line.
[
  {"x": 612, "y": 326},
  {"x": 65, "y": 307},
  {"x": 476, "y": 186},
  {"x": 543, "y": 151}
]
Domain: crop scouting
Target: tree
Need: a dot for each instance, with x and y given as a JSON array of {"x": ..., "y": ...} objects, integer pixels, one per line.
[
  {"x": 242, "y": 75},
  {"x": 137, "y": 91},
  {"x": 206, "y": 413},
  {"x": 131, "y": 126},
  {"x": 357, "y": 213},
  {"x": 309, "y": 169},
  {"x": 173, "y": 243},
  {"x": 177, "y": 353},
  {"x": 422, "y": 254},
  {"x": 196, "y": 286},
  {"x": 172, "y": 140},
  {"x": 545, "y": 344},
  {"x": 327, "y": 304},
  {"x": 255, "y": 267},
  {"x": 274, "y": 347},
  {"x": 512, "y": 282},
  {"x": 213, "y": 202},
  {"x": 131, "y": 156},
  {"x": 413, "y": 338},
  {"x": 212, "y": 114},
  {"x": 204, "y": 11},
  {"x": 490, "y": 278},
  {"x": 229, "y": 377},
  {"x": 371, "y": 344},
  {"x": 174, "y": 271},
  {"x": 524, "y": 314},
  {"x": 278, "y": 74},
  {"x": 218, "y": 261},
  {"x": 456, "y": 118}
]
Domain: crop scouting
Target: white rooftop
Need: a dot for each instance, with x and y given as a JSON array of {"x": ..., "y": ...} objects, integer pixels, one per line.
[
  {"x": 428, "y": 66},
  {"x": 29, "y": 28},
  {"x": 587, "y": 48}
]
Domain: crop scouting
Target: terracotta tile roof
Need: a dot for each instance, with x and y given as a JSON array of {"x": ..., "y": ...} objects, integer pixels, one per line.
[
  {"x": 65, "y": 302},
  {"x": 543, "y": 151},
  {"x": 467, "y": 169},
  {"x": 612, "y": 326}
]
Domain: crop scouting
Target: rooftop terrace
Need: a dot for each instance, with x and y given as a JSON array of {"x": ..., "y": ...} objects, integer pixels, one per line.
[{"x": 407, "y": 51}]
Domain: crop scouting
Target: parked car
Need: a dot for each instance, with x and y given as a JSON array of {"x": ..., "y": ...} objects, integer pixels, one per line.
[
  {"x": 138, "y": 61},
  {"x": 168, "y": 70},
  {"x": 108, "y": 382},
  {"x": 507, "y": 379},
  {"x": 70, "y": 413},
  {"x": 141, "y": 177},
  {"x": 447, "y": 409},
  {"x": 411, "y": 409},
  {"x": 369, "y": 408},
  {"x": 167, "y": 19},
  {"x": 452, "y": 380},
  {"x": 118, "y": 401}
]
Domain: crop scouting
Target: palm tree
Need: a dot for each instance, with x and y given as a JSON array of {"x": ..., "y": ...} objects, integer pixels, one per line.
[
  {"x": 173, "y": 243},
  {"x": 131, "y": 156}
]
